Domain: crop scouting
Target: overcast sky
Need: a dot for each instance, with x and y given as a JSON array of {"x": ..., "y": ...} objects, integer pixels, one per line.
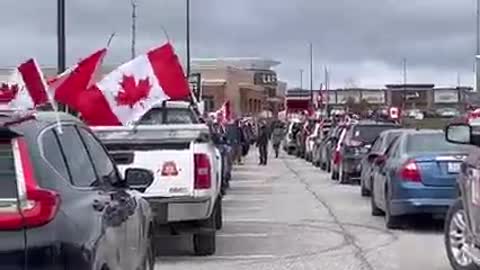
[{"x": 363, "y": 42}]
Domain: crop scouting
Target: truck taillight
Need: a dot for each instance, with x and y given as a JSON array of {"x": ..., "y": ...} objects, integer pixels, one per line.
[
  {"x": 409, "y": 172},
  {"x": 38, "y": 206},
  {"x": 203, "y": 179}
]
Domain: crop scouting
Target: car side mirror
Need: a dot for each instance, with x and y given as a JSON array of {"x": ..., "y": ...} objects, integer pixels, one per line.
[
  {"x": 459, "y": 133},
  {"x": 372, "y": 156},
  {"x": 380, "y": 160},
  {"x": 139, "y": 178}
]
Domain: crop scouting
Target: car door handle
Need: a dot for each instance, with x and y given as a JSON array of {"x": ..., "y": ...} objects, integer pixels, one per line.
[{"x": 99, "y": 205}]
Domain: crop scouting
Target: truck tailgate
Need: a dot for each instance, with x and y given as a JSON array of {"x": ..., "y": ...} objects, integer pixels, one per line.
[{"x": 173, "y": 171}]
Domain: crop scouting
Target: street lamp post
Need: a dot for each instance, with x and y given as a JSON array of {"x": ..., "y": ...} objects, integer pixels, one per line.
[
  {"x": 311, "y": 75},
  {"x": 61, "y": 57},
  {"x": 188, "y": 36}
]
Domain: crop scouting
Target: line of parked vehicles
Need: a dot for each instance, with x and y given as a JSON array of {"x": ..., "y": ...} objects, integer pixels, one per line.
[
  {"x": 405, "y": 172},
  {"x": 76, "y": 197}
]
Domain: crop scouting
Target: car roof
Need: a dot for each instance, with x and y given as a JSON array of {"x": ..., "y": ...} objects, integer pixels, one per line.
[
  {"x": 373, "y": 122},
  {"x": 41, "y": 119},
  {"x": 173, "y": 104}
]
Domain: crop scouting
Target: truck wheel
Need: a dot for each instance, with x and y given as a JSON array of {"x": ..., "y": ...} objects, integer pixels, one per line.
[
  {"x": 204, "y": 244},
  {"x": 455, "y": 237},
  {"x": 218, "y": 215}
]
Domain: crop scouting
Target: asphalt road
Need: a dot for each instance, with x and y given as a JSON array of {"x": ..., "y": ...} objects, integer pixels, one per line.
[{"x": 290, "y": 215}]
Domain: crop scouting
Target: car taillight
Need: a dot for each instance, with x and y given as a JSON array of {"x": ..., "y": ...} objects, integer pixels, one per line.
[
  {"x": 337, "y": 157},
  {"x": 410, "y": 172},
  {"x": 202, "y": 171},
  {"x": 37, "y": 206}
]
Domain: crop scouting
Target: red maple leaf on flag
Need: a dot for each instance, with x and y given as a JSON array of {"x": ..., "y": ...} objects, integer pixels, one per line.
[
  {"x": 8, "y": 92},
  {"x": 131, "y": 92}
]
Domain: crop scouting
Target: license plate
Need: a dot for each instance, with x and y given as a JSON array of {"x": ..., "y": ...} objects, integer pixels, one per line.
[{"x": 454, "y": 167}]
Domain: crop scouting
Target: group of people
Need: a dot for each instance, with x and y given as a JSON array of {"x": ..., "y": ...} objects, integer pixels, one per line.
[{"x": 241, "y": 135}]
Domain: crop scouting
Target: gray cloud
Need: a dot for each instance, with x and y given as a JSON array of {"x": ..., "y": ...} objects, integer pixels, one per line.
[{"x": 364, "y": 40}]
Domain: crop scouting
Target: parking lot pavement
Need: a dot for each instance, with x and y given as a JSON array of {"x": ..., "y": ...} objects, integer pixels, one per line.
[{"x": 290, "y": 215}]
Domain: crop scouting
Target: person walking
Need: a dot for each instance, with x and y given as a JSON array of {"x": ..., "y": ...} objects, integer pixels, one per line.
[
  {"x": 277, "y": 136},
  {"x": 262, "y": 144},
  {"x": 235, "y": 138}
]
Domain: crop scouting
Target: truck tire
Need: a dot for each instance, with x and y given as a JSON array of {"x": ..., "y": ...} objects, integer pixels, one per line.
[
  {"x": 460, "y": 261},
  {"x": 218, "y": 215},
  {"x": 204, "y": 244}
]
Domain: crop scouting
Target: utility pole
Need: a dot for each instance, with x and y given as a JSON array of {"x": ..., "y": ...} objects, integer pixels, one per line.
[
  {"x": 301, "y": 78},
  {"x": 61, "y": 43},
  {"x": 134, "y": 28},
  {"x": 188, "y": 36},
  {"x": 61, "y": 54},
  {"x": 311, "y": 74},
  {"x": 477, "y": 51},
  {"x": 327, "y": 88},
  {"x": 404, "y": 83}
]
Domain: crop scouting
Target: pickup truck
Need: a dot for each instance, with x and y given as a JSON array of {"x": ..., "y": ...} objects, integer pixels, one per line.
[
  {"x": 185, "y": 192},
  {"x": 183, "y": 113}
]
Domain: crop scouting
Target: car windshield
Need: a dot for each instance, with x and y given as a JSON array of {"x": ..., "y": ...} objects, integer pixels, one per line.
[
  {"x": 172, "y": 116},
  {"x": 368, "y": 133},
  {"x": 432, "y": 143}
]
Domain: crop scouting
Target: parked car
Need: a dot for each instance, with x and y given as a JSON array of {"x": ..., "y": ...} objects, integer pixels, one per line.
[
  {"x": 325, "y": 128},
  {"x": 359, "y": 138},
  {"x": 302, "y": 136},
  {"x": 328, "y": 147},
  {"x": 290, "y": 142},
  {"x": 335, "y": 157},
  {"x": 461, "y": 230},
  {"x": 447, "y": 112},
  {"x": 369, "y": 161},
  {"x": 63, "y": 203},
  {"x": 310, "y": 141},
  {"x": 416, "y": 176}
]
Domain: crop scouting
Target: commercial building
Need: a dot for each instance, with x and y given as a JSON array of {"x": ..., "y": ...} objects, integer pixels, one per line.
[
  {"x": 409, "y": 96},
  {"x": 250, "y": 84}
]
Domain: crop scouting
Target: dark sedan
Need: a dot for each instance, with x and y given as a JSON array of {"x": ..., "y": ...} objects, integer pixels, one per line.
[{"x": 358, "y": 141}]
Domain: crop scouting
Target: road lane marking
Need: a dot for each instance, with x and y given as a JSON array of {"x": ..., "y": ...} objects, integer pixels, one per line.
[
  {"x": 232, "y": 198},
  {"x": 247, "y": 220},
  {"x": 234, "y": 235},
  {"x": 221, "y": 257}
]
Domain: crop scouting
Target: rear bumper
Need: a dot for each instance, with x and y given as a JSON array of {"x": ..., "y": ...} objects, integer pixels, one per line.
[
  {"x": 420, "y": 206},
  {"x": 415, "y": 198},
  {"x": 352, "y": 167},
  {"x": 168, "y": 210}
]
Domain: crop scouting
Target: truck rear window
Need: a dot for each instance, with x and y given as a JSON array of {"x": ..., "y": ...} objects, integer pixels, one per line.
[
  {"x": 169, "y": 116},
  {"x": 8, "y": 178}
]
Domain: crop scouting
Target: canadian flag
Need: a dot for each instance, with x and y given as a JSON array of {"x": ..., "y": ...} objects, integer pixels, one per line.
[
  {"x": 224, "y": 114},
  {"x": 68, "y": 86},
  {"x": 25, "y": 88},
  {"x": 124, "y": 95}
]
